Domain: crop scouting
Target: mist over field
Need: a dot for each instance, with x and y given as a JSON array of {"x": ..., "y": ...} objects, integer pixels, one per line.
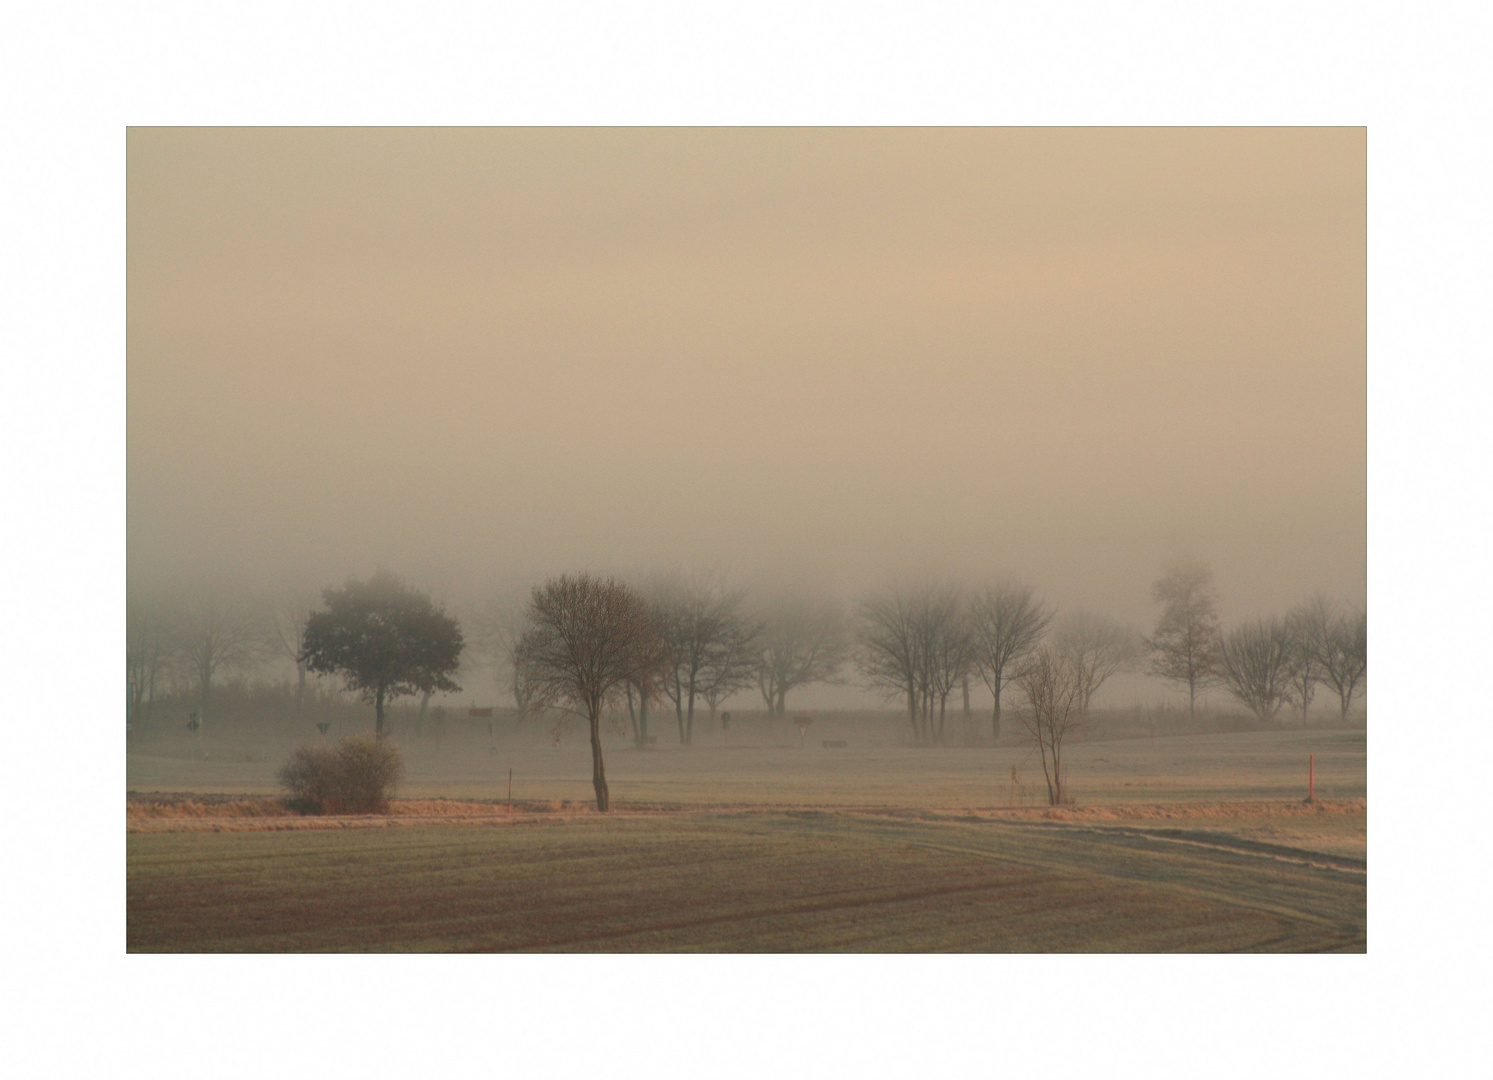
[
  {"x": 809, "y": 361},
  {"x": 746, "y": 540}
]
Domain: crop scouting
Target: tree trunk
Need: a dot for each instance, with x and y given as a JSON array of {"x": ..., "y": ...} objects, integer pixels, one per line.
[
  {"x": 1057, "y": 775},
  {"x": 300, "y": 688},
  {"x": 632, "y": 718},
  {"x": 966, "y": 696},
  {"x": 420, "y": 716},
  {"x": 378, "y": 714},
  {"x": 995, "y": 717},
  {"x": 783, "y": 702},
  {"x": 1046, "y": 773},
  {"x": 598, "y": 768}
]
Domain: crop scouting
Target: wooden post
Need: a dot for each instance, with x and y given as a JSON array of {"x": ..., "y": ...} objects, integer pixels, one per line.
[
  {"x": 510, "y": 789},
  {"x": 1311, "y": 778}
]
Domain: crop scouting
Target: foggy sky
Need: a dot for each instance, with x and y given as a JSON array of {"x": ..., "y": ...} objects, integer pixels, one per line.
[{"x": 479, "y": 357}]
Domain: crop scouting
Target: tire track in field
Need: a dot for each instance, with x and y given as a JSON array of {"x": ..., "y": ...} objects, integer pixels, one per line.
[
  {"x": 1330, "y": 898},
  {"x": 812, "y": 907}
]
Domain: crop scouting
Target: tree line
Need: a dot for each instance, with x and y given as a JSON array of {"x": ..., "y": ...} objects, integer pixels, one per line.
[
  {"x": 585, "y": 645},
  {"x": 921, "y": 646}
]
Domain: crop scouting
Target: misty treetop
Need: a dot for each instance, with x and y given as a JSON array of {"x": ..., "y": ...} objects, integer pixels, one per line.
[
  {"x": 917, "y": 646},
  {"x": 385, "y": 639}
]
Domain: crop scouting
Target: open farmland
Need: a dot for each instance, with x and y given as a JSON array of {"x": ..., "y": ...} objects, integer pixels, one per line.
[
  {"x": 774, "y": 881},
  {"x": 763, "y": 767},
  {"x": 1187, "y": 843}
]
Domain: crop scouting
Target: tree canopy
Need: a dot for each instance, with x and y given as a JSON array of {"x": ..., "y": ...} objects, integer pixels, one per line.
[
  {"x": 587, "y": 638},
  {"x": 385, "y": 639}
]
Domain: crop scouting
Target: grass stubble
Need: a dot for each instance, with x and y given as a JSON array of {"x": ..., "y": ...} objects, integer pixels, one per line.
[{"x": 557, "y": 878}]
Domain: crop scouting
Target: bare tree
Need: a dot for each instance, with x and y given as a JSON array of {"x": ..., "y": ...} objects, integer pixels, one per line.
[
  {"x": 731, "y": 666},
  {"x": 215, "y": 631},
  {"x": 1255, "y": 666},
  {"x": 1097, "y": 648},
  {"x": 802, "y": 641},
  {"x": 287, "y": 624},
  {"x": 1341, "y": 648},
  {"x": 915, "y": 644},
  {"x": 147, "y": 654},
  {"x": 703, "y": 630},
  {"x": 1006, "y": 623},
  {"x": 499, "y": 627},
  {"x": 1052, "y": 688},
  {"x": 586, "y": 638},
  {"x": 1303, "y": 627},
  {"x": 1185, "y": 647}
]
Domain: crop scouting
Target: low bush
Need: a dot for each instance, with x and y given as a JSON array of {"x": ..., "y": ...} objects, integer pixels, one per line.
[{"x": 358, "y": 776}]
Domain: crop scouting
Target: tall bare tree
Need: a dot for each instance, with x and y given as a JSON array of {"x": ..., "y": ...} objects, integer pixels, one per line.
[
  {"x": 731, "y": 666},
  {"x": 802, "y": 641},
  {"x": 214, "y": 631},
  {"x": 916, "y": 644},
  {"x": 1097, "y": 648},
  {"x": 586, "y": 638},
  {"x": 1303, "y": 627},
  {"x": 498, "y": 628},
  {"x": 287, "y": 623},
  {"x": 1052, "y": 689},
  {"x": 147, "y": 654},
  {"x": 1006, "y": 623},
  {"x": 1185, "y": 646},
  {"x": 703, "y": 629},
  {"x": 1342, "y": 651},
  {"x": 1255, "y": 666}
]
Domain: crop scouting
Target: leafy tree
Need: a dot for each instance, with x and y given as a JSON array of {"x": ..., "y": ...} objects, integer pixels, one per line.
[
  {"x": 385, "y": 639},
  {"x": 1188, "y": 638}
]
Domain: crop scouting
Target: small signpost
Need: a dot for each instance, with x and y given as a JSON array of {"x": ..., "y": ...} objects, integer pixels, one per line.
[{"x": 802, "y": 723}]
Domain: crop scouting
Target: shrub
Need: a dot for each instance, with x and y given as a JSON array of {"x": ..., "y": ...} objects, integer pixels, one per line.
[{"x": 358, "y": 776}]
